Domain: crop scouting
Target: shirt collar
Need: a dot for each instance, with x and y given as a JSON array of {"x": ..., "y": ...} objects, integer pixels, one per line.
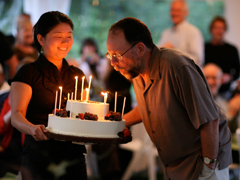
[{"x": 44, "y": 64}]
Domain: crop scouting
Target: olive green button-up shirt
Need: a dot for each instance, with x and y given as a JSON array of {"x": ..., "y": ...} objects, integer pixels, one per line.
[{"x": 173, "y": 104}]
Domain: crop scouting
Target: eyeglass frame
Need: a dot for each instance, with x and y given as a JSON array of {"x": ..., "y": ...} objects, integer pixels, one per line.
[{"x": 120, "y": 55}]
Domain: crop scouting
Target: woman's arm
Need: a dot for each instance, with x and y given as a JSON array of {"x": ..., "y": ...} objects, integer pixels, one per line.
[
  {"x": 132, "y": 117},
  {"x": 21, "y": 94}
]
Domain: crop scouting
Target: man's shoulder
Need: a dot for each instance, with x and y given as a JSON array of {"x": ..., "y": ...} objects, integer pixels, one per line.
[{"x": 175, "y": 57}]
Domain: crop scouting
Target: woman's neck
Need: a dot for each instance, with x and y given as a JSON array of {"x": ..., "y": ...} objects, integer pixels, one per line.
[
  {"x": 217, "y": 41},
  {"x": 56, "y": 62}
]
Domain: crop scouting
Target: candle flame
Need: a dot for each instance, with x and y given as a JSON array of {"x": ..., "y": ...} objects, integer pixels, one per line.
[
  {"x": 104, "y": 94},
  {"x": 60, "y": 87},
  {"x": 76, "y": 77},
  {"x": 83, "y": 77},
  {"x": 91, "y": 77}
]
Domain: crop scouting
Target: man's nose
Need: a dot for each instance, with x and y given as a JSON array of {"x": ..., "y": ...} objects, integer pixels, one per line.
[{"x": 114, "y": 61}]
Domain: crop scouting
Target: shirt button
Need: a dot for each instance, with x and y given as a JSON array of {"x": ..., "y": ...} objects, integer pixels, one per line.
[
  {"x": 159, "y": 149},
  {"x": 153, "y": 132},
  {"x": 166, "y": 165},
  {"x": 149, "y": 112}
]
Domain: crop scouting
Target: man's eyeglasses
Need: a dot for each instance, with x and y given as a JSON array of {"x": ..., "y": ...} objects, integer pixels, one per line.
[{"x": 118, "y": 56}]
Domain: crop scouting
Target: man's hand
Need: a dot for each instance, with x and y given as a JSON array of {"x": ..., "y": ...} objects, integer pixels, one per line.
[{"x": 212, "y": 165}]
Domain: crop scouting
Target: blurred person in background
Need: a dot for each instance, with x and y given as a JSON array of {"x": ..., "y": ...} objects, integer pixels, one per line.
[
  {"x": 12, "y": 37},
  {"x": 93, "y": 64},
  {"x": 23, "y": 45},
  {"x": 182, "y": 35},
  {"x": 225, "y": 55},
  {"x": 214, "y": 76}
]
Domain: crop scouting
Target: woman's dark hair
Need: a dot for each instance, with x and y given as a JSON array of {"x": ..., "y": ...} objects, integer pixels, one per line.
[
  {"x": 215, "y": 19},
  {"x": 47, "y": 22},
  {"x": 134, "y": 30},
  {"x": 89, "y": 42}
]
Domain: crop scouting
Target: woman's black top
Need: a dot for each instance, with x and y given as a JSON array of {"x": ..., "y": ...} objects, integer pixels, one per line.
[{"x": 45, "y": 79}]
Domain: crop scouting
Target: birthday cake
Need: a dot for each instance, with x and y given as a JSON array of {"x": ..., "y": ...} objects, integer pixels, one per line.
[{"x": 87, "y": 122}]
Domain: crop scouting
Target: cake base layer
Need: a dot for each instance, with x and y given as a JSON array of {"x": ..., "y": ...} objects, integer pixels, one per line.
[
  {"x": 89, "y": 139},
  {"x": 84, "y": 128}
]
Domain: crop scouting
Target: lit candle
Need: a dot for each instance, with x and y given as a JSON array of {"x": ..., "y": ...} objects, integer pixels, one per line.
[
  {"x": 115, "y": 106},
  {"x": 68, "y": 96},
  {"x": 87, "y": 94},
  {"x": 89, "y": 86},
  {"x": 55, "y": 103},
  {"x": 82, "y": 88},
  {"x": 76, "y": 82},
  {"x": 105, "y": 101},
  {"x": 71, "y": 105},
  {"x": 60, "y": 98},
  {"x": 90, "y": 80},
  {"x": 123, "y": 105}
]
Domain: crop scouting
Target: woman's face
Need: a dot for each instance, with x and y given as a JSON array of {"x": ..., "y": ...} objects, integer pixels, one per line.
[
  {"x": 218, "y": 30},
  {"x": 58, "y": 42}
]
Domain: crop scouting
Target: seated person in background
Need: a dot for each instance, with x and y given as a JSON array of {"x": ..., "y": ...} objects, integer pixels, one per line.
[
  {"x": 183, "y": 36},
  {"x": 92, "y": 64},
  {"x": 11, "y": 139},
  {"x": 24, "y": 40},
  {"x": 225, "y": 55},
  {"x": 214, "y": 76}
]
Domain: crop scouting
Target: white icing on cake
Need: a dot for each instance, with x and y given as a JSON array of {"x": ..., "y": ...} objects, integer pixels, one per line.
[
  {"x": 83, "y": 106},
  {"x": 84, "y": 128}
]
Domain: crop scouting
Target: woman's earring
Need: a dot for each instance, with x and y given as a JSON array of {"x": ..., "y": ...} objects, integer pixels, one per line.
[{"x": 41, "y": 52}]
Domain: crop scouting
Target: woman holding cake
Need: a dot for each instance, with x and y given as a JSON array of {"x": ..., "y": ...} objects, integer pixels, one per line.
[{"x": 33, "y": 94}]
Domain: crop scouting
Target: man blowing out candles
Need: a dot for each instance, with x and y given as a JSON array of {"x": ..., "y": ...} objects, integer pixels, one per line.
[{"x": 174, "y": 103}]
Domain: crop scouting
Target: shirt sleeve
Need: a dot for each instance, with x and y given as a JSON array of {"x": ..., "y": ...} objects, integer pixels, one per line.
[
  {"x": 24, "y": 74},
  {"x": 195, "y": 96}
]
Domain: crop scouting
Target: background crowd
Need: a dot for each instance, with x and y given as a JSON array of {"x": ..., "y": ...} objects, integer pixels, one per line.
[{"x": 218, "y": 59}]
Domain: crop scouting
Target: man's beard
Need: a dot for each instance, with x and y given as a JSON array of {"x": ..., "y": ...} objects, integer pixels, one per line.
[{"x": 133, "y": 71}]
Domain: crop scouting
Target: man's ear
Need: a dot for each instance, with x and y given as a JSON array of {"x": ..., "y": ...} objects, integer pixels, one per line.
[
  {"x": 40, "y": 39},
  {"x": 140, "y": 47}
]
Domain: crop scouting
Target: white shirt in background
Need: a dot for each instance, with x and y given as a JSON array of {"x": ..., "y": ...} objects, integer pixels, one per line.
[{"x": 186, "y": 38}]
